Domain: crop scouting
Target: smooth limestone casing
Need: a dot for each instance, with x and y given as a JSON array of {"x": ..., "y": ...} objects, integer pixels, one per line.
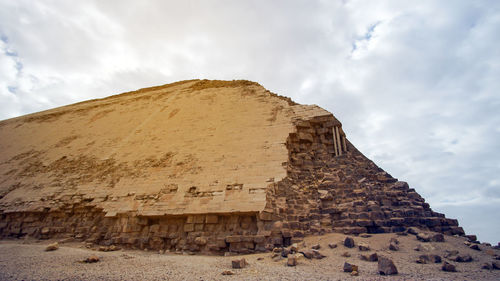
[{"x": 199, "y": 165}]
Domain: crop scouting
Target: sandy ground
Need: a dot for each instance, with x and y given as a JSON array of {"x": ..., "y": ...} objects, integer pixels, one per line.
[{"x": 21, "y": 260}]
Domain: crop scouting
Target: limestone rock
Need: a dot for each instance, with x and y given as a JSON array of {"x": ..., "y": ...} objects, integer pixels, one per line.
[
  {"x": 239, "y": 263},
  {"x": 373, "y": 257},
  {"x": 92, "y": 259},
  {"x": 349, "y": 242},
  {"x": 363, "y": 247},
  {"x": 350, "y": 267},
  {"x": 386, "y": 266},
  {"x": 332, "y": 245},
  {"x": 448, "y": 267},
  {"x": 52, "y": 247}
]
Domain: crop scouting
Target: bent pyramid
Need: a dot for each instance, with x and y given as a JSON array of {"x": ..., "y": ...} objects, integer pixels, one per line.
[{"x": 209, "y": 166}]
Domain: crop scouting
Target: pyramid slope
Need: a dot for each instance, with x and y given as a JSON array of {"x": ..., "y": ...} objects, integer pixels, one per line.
[
  {"x": 210, "y": 166},
  {"x": 184, "y": 145}
]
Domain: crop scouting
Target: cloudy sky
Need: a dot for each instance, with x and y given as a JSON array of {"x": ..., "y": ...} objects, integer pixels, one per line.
[{"x": 415, "y": 83}]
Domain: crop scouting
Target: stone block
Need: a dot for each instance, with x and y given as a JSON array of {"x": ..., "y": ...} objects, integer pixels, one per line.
[
  {"x": 188, "y": 227},
  {"x": 211, "y": 219}
]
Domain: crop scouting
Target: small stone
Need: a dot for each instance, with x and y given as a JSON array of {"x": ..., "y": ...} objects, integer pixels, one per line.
[
  {"x": 402, "y": 233},
  {"x": 394, "y": 241},
  {"x": 475, "y": 247},
  {"x": 354, "y": 273},
  {"x": 227, "y": 272},
  {"x": 317, "y": 254},
  {"x": 52, "y": 247},
  {"x": 292, "y": 261},
  {"x": 372, "y": 257},
  {"x": 285, "y": 253},
  {"x": 350, "y": 267},
  {"x": 386, "y": 266},
  {"x": 393, "y": 247},
  {"x": 487, "y": 266},
  {"x": 200, "y": 241},
  {"x": 345, "y": 254},
  {"x": 471, "y": 237},
  {"x": 423, "y": 259},
  {"x": 424, "y": 237},
  {"x": 448, "y": 267},
  {"x": 332, "y": 246},
  {"x": 363, "y": 247},
  {"x": 449, "y": 253},
  {"x": 424, "y": 248},
  {"x": 294, "y": 248},
  {"x": 239, "y": 263},
  {"x": 260, "y": 258},
  {"x": 316, "y": 247},
  {"x": 349, "y": 242},
  {"x": 92, "y": 259},
  {"x": 463, "y": 258},
  {"x": 365, "y": 235},
  {"x": 496, "y": 265},
  {"x": 413, "y": 230}
]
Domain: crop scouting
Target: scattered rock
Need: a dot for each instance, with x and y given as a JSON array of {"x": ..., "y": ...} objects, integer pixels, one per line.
[
  {"x": 386, "y": 266},
  {"x": 365, "y": 235},
  {"x": 200, "y": 241},
  {"x": 316, "y": 247},
  {"x": 475, "y": 247},
  {"x": 91, "y": 259},
  {"x": 430, "y": 237},
  {"x": 461, "y": 258},
  {"x": 363, "y": 247},
  {"x": 425, "y": 259},
  {"x": 52, "y": 247},
  {"x": 424, "y": 248},
  {"x": 372, "y": 257},
  {"x": 345, "y": 254},
  {"x": 349, "y": 242},
  {"x": 448, "y": 267},
  {"x": 487, "y": 266},
  {"x": 108, "y": 248},
  {"x": 227, "y": 272},
  {"x": 240, "y": 263},
  {"x": 471, "y": 237},
  {"x": 312, "y": 254},
  {"x": 350, "y": 267},
  {"x": 294, "y": 248},
  {"x": 449, "y": 253},
  {"x": 496, "y": 265},
  {"x": 394, "y": 241},
  {"x": 413, "y": 230},
  {"x": 354, "y": 273},
  {"x": 332, "y": 246},
  {"x": 393, "y": 247},
  {"x": 292, "y": 261},
  {"x": 285, "y": 252}
]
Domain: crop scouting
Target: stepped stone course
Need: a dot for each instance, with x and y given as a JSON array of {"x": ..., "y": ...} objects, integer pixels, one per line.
[{"x": 200, "y": 166}]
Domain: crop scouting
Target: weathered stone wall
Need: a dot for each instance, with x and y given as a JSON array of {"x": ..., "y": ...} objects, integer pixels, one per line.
[{"x": 328, "y": 189}]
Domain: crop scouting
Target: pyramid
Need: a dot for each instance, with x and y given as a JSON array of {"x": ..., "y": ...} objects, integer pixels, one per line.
[{"x": 201, "y": 166}]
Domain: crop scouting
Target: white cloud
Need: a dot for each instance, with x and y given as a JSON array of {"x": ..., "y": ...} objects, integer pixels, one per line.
[{"x": 414, "y": 83}]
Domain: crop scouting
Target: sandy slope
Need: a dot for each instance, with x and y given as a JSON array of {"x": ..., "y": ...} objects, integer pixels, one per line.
[{"x": 29, "y": 261}]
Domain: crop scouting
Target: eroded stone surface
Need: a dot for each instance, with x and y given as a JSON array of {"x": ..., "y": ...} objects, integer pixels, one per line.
[{"x": 198, "y": 166}]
